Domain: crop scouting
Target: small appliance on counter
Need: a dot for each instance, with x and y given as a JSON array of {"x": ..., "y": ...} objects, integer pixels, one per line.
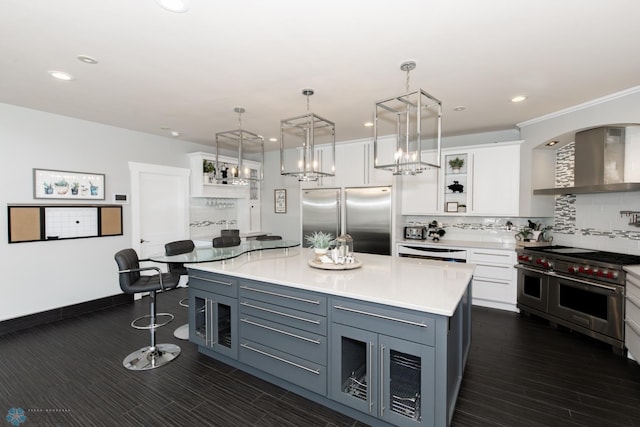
[{"x": 415, "y": 232}]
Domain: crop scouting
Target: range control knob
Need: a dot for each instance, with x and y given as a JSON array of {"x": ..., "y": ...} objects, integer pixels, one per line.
[
  {"x": 581, "y": 269},
  {"x": 612, "y": 275},
  {"x": 540, "y": 261},
  {"x": 571, "y": 269},
  {"x": 601, "y": 273}
]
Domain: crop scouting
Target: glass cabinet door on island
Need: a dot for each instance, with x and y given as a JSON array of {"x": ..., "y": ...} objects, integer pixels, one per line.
[
  {"x": 386, "y": 377},
  {"x": 212, "y": 322}
]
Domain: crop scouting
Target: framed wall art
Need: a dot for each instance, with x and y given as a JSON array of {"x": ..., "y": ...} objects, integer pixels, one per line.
[
  {"x": 451, "y": 207},
  {"x": 280, "y": 201},
  {"x": 56, "y": 184}
]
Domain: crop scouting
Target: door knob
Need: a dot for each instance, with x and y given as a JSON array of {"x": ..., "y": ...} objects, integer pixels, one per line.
[{"x": 142, "y": 240}]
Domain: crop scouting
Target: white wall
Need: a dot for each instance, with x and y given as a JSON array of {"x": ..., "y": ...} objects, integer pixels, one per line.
[
  {"x": 286, "y": 224},
  {"x": 39, "y": 276}
]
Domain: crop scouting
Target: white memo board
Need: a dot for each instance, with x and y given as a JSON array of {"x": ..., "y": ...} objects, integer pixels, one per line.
[{"x": 70, "y": 222}]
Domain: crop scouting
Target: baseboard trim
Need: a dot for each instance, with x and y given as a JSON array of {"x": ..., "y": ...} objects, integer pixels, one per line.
[{"x": 44, "y": 317}]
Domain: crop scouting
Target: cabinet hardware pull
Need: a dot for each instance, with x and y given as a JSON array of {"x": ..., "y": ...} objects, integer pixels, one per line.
[
  {"x": 381, "y": 380},
  {"x": 497, "y": 282},
  {"x": 281, "y": 295},
  {"x": 370, "y": 385},
  {"x": 494, "y": 266},
  {"x": 631, "y": 324},
  {"x": 314, "y": 371},
  {"x": 280, "y": 331},
  {"x": 279, "y": 313},
  {"x": 490, "y": 254},
  {"x": 212, "y": 281},
  {"x": 380, "y": 316},
  {"x": 633, "y": 300}
]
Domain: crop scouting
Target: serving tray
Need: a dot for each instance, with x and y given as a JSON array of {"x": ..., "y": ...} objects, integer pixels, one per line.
[{"x": 328, "y": 266}]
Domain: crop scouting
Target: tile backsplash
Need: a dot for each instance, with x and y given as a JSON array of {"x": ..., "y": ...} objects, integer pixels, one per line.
[
  {"x": 207, "y": 216},
  {"x": 592, "y": 220}
]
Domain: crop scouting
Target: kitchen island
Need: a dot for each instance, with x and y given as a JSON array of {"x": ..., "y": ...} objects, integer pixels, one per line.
[{"x": 385, "y": 343}]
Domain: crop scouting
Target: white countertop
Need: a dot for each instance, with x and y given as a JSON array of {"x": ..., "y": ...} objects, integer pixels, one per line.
[
  {"x": 464, "y": 244},
  {"x": 430, "y": 286}
]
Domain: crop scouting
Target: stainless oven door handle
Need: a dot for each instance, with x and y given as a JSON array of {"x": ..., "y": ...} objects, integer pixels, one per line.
[
  {"x": 584, "y": 282},
  {"x": 525, "y": 268}
]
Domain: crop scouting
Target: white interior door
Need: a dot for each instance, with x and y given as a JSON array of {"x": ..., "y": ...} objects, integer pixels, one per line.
[{"x": 159, "y": 206}]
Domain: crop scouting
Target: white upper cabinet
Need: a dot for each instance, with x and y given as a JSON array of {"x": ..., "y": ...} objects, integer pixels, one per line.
[
  {"x": 496, "y": 180},
  {"x": 203, "y": 186},
  {"x": 355, "y": 164},
  {"x": 420, "y": 193},
  {"x": 487, "y": 183}
]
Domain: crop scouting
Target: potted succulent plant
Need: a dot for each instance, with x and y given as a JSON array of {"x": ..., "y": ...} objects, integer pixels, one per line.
[
  {"x": 62, "y": 186},
  {"x": 456, "y": 164},
  {"x": 208, "y": 170},
  {"x": 75, "y": 187},
  {"x": 320, "y": 242}
]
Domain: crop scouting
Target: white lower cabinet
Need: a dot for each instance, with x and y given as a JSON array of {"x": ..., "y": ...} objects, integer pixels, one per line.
[
  {"x": 495, "y": 278},
  {"x": 632, "y": 316}
]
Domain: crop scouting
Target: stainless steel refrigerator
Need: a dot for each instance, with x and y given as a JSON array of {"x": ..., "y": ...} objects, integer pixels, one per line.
[{"x": 362, "y": 212}]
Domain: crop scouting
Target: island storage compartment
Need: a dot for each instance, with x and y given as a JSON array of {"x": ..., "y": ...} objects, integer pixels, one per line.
[
  {"x": 309, "y": 346},
  {"x": 298, "y": 371},
  {"x": 284, "y": 315},
  {"x": 211, "y": 282},
  {"x": 411, "y": 326},
  {"x": 383, "y": 376},
  {"x": 285, "y": 297}
]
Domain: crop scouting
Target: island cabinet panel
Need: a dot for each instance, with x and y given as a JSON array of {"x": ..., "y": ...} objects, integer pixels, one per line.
[
  {"x": 392, "y": 379},
  {"x": 283, "y": 332},
  {"x": 213, "y": 318}
]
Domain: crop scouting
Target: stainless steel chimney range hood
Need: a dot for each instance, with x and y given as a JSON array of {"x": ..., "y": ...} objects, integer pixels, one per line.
[{"x": 600, "y": 161}]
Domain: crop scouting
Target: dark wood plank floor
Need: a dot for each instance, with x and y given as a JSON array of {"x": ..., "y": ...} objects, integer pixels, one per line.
[{"x": 521, "y": 372}]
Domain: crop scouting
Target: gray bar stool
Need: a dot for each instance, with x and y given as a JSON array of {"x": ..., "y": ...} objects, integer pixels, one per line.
[
  {"x": 131, "y": 282},
  {"x": 176, "y": 248}
]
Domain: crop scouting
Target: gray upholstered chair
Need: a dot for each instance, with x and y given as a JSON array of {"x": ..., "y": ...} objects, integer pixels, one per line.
[
  {"x": 131, "y": 282},
  {"x": 176, "y": 248},
  {"x": 269, "y": 237},
  {"x": 226, "y": 241}
]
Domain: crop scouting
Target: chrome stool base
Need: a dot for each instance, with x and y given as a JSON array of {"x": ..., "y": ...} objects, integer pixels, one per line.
[
  {"x": 147, "y": 358},
  {"x": 182, "y": 332}
]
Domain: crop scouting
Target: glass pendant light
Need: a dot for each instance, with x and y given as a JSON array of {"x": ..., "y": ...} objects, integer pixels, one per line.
[
  {"x": 407, "y": 131},
  {"x": 314, "y": 139},
  {"x": 248, "y": 146}
]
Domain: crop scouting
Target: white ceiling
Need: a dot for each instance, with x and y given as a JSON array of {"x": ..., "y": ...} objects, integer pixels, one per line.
[{"x": 160, "y": 71}]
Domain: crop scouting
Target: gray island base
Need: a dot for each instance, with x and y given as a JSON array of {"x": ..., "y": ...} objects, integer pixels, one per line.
[{"x": 386, "y": 343}]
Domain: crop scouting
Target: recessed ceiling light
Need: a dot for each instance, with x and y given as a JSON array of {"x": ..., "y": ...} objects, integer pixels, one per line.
[
  {"x": 61, "y": 75},
  {"x": 368, "y": 124},
  {"x": 552, "y": 143},
  {"x": 177, "y": 6},
  {"x": 87, "y": 59},
  {"x": 175, "y": 133},
  {"x": 459, "y": 108},
  {"x": 518, "y": 98},
  {"x": 273, "y": 139}
]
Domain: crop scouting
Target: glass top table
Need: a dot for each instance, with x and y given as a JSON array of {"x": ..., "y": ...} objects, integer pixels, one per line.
[{"x": 209, "y": 253}]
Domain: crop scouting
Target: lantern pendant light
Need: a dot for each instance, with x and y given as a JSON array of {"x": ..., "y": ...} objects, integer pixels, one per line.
[
  {"x": 314, "y": 139},
  {"x": 407, "y": 131},
  {"x": 248, "y": 146}
]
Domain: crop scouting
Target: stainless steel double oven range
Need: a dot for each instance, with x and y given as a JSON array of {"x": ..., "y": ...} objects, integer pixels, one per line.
[{"x": 581, "y": 289}]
